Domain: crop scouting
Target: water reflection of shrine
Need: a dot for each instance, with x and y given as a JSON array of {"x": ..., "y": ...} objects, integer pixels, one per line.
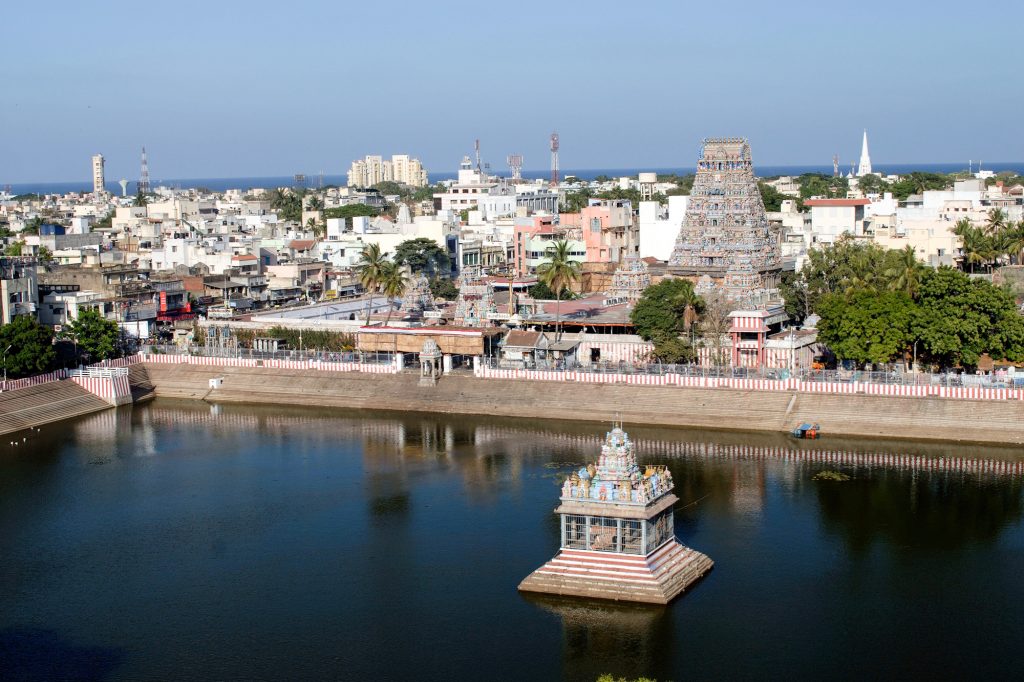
[{"x": 598, "y": 638}]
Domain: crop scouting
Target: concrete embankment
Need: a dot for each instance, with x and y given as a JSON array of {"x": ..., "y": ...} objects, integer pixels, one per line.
[
  {"x": 988, "y": 421},
  {"x": 37, "y": 405}
]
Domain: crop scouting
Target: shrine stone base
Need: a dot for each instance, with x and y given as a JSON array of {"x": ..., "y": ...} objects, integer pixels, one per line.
[{"x": 657, "y": 578}]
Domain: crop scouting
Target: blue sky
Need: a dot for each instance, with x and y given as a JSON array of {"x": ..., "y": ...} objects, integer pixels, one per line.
[{"x": 218, "y": 89}]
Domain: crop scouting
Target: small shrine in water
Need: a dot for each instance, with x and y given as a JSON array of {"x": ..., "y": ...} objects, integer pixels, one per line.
[{"x": 618, "y": 533}]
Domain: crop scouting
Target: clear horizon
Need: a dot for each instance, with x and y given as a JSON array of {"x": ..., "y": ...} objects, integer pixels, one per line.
[{"x": 212, "y": 89}]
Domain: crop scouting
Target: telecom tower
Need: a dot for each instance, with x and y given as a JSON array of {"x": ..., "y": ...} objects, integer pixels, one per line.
[
  {"x": 476, "y": 147},
  {"x": 515, "y": 162},
  {"x": 835, "y": 165},
  {"x": 144, "y": 174},
  {"x": 554, "y": 159}
]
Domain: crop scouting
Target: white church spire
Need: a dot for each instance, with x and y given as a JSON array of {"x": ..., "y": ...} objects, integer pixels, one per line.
[{"x": 865, "y": 159}]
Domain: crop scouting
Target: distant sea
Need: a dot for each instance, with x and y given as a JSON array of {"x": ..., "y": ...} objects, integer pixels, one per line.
[{"x": 243, "y": 183}]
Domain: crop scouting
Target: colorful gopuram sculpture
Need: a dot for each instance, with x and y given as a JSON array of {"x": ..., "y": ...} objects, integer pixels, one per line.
[
  {"x": 725, "y": 240},
  {"x": 618, "y": 533}
]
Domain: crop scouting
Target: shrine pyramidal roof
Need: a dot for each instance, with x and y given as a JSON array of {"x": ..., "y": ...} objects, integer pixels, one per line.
[{"x": 616, "y": 477}]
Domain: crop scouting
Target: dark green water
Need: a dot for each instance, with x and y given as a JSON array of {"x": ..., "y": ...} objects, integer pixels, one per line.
[{"x": 169, "y": 542}]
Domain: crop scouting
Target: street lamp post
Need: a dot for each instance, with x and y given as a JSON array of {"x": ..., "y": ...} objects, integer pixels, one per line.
[{"x": 5, "y": 364}]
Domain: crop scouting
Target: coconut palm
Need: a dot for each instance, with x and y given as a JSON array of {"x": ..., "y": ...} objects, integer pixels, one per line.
[
  {"x": 558, "y": 273},
  {"x": 393, "y": 283},
  {"x": 996, "y": 222},
  {"x": 1013, "y": 242},
  {"x": 904, "y": 274},
  {"x": 692, "y": 304},
  {"x": 369, "y": 270}
]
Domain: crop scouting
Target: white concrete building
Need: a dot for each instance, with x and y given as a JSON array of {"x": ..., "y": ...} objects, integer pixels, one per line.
[{"x": 659, "y": 227}]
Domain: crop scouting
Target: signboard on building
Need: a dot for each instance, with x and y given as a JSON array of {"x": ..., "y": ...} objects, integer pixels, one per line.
[{"x": 432, "y": 314}]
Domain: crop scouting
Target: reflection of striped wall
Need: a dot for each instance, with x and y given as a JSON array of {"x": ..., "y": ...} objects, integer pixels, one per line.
[{"x": 719, "y": 451}]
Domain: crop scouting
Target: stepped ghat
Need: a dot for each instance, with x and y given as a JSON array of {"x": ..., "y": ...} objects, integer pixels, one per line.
[
  {"x": 618, "y": 533},
  {"x": 725, "y": 240}
]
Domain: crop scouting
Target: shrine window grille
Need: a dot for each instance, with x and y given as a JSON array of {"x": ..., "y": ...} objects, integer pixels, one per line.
[{"x": 659, "y": 530}]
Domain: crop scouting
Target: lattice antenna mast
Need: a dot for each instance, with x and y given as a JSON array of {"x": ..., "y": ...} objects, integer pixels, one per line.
[
  {"x": 515, "y": 162},
  {"x": 835, "y": 165},
  {"x": 476, "y": 147},
  {"x": 554, "y": 159},
  {"x": 144, "y": 174}
]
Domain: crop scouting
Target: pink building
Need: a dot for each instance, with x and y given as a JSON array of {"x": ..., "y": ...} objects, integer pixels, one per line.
[{"x": 606, "y": 227}]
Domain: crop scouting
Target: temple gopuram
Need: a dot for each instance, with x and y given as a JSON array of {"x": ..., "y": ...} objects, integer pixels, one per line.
[
  {"x": 725, "y": 241},
  {"x": 618, "y": 533}
]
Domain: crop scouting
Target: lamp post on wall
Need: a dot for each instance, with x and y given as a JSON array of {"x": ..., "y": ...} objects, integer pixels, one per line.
[{"x": 5, "y": 364}]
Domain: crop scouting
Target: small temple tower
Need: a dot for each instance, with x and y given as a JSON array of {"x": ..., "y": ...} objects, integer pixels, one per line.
[{"x": 618, "y": 533}]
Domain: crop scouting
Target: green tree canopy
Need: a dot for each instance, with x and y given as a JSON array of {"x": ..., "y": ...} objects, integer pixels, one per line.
[
  {"x": 960, "y": 319},
  {"x": 350, "y": 211},
  {"x": 872, "y": 184},
  {"x": 666, "y": 309},
  {"x": 542, "y": 292},
  {"x": 771, "y": 197},
  {"x": 574, "y": 202},
  {"x": 97, "y": 338},
  {"x": 29, "y": 347},
  {"x": 423, "y": 255},
  {"x": 866, "y": 326},
  {"x": 444, "y": 289}
]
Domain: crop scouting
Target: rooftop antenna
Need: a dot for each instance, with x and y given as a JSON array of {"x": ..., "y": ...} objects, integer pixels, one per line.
[
  {"x": 554, "y": 159},
  {"x": 476, "y": 146},
  {"x": 144, "y": 174},
  {"x": 515, "y": 162},
  {"x": 321, "y": 180}
]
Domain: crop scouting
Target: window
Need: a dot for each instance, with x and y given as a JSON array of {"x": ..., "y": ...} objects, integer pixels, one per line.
[
  {"x": 574, "y": 530},
  {"x": 659, "y": 530}
]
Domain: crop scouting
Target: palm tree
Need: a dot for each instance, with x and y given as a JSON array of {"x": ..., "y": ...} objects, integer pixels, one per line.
[
  {"x": 692, "y": 305},
  {"x": 558, "y": 273},
  {"x": 370, "y": 270},
  {"x": 905, "y": 272},
  {"x": 1013, "y": 242},
  {"x": 393, "y": 283},
  {"x": 996, "y": 222}
]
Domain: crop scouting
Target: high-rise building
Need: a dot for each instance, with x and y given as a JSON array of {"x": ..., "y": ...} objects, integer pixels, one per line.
[
  {"x": 372, "y": 169},
  {"x": 98, "y": 180},
  {"x": 864, "y": 167},
  {"x": 725, "y": 240}
]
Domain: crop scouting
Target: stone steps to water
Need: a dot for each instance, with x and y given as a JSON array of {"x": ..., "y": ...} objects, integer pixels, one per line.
[{"x": 37, "y": 405}]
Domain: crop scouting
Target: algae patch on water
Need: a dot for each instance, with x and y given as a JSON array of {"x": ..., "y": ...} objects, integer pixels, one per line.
[{"x": 830, "y": 476}]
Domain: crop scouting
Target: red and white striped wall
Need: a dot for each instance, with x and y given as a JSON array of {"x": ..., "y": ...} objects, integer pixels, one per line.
[
  {"x": 389, "y": 368},
  {"x": 791, "y": 384},
  {"x": 115, "y": 390},
  {"x": 16, "y": 384}
]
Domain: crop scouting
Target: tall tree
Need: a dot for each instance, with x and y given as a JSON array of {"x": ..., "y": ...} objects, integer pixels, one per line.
[
  {"x": 559, "y": 272},
  {"x": 27, "y": 346},
  {"x": 664, "y": 311},
  {"x": 393, "y": 284},
  {"x": 423, "y": 255},
  {"x": 866, "y": 326},
  {"x": 96, "y": 337},
  {"x": 904, "y": 271},
  {"x": 370, "y": 271}
]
